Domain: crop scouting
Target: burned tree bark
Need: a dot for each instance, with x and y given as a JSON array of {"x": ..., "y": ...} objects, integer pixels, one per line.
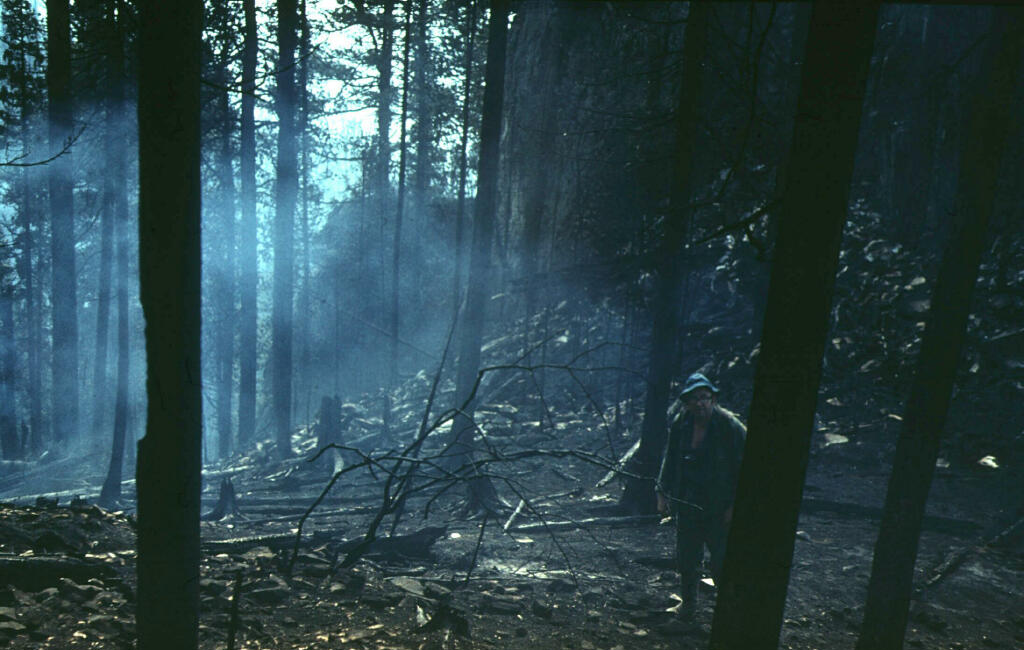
[
  {"x": 284, "y": 227},
  {"x": 111, "y": 491},
  {"x": 248, "y": 263},
  {"x": 62, "y": 239},
  {"x": 989, "y": 120},
  {"x": 760, "y": 547},
  {"x": 638, "y": 496},
  {"x": 460, "y": 210},
  {"x": 482, "y": 495},
  {"x": 169, "y": 468},
  {"x": 223, "y": 284}
]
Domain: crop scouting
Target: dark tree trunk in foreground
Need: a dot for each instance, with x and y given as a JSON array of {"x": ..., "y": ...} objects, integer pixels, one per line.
[
  {"x": 62, "y": 238},
  {"x": 169, "y": 460},
  {"x": 988, "y": 126},
  {"x": 760, "y": 548},
  {"x": 284, "y": 227},
  {"x": 247, "y": 262},
  {"x": 482, "y": 494},
  {"x": 639, "y": 493}
]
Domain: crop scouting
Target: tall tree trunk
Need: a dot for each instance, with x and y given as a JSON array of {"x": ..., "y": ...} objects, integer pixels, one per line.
[
  {"x": 424, "y": 129},
  {"x": 62, "y": 231},
  {"x": 482, "y": 495},
  {"x": 989, "y": 123},
  {"x": 10, "y": 444},
  {"x": 639, "y": 493},
  {"x": 382, "y": 184},
  {"x": 382, "y": 164},
  {"x": 460, "y": 209},
  {"x": 248, "y": 263},
  {"x": 100, "y": 376},
  {"x": 28, "y": 217},
  {"x": 304, "y": 378},
  {"x": 284, "y": 226},
  {"x": 760, "y": 548},
  {"x": 541, "y": 156},
  {"x": 396, "y": 248},
  {"x": 223, "y": 287},
  {"x": 110, "y": 494},
  {"x": 169, "y": 457}
]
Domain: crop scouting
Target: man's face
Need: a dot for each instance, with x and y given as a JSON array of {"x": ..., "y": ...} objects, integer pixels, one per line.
[{"x": 700, "y": 402}]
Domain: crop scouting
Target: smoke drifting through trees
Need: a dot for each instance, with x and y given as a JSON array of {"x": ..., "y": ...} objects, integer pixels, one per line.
[{"x": 341, "y": 144}]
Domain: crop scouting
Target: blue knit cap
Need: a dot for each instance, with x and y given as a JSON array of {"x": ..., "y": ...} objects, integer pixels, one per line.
[{"x": 695, "y": 381}]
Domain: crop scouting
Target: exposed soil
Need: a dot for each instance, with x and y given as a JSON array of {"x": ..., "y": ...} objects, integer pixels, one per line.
[{"x": 604, "y": 584}]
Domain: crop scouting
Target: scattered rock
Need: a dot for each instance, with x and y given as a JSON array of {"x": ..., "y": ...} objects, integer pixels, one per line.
[
  {"x": 541, "y": 610},
  {"x": 500, "y": 606}
]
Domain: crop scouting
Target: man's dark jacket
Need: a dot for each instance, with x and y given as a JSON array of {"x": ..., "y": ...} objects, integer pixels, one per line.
[{"x": 714, "y": 487}]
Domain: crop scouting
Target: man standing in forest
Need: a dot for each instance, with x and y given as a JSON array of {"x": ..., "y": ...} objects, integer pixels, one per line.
[{"x": 697, "y": 482}]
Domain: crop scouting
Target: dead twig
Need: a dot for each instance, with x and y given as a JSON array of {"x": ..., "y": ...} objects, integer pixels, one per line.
[{"x": 476, "y": 549}]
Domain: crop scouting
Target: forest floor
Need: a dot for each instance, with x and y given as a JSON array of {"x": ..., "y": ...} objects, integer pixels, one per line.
[{"x": 553, "y": 579}]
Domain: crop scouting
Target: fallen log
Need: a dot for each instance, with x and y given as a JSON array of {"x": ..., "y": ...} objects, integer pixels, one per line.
[
  {"x": 416, "y": 544},
  {"x": 955, "y": 559},
  {"x": 629, "y": 520},
  {"x": 619, "y": 466},
  {"x": 274, "y": 542}
]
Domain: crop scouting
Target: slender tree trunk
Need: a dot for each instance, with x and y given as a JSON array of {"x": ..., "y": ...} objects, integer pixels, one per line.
[
  {"x": 284, "y": 226},
  {"x": 382, "y": 184},
  {"x": 988, "y": 129},
  {"x": 482, "y": 493},
  {"x": 169, "y": 456},
  {"x": 248, "y": 263},
  {"x": 62, "y": 232},
  {"x": 303, "y": 374},
  {"x": 460, "y": 210},
  {"x": 424, "y": 134},
  {"x": 100, "y": 376},
  {"x": 111, "y": 492},
  {"x": 32, "y": 300},
  {"x": 639, "y": 493},
  {"x": 396, "y": 247},
  {"x": 760, "y": 548},
  {"x": 382, "y": 166},
  {"x": 9, "y": 441},
  {"x": 223, "y": 286}
]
